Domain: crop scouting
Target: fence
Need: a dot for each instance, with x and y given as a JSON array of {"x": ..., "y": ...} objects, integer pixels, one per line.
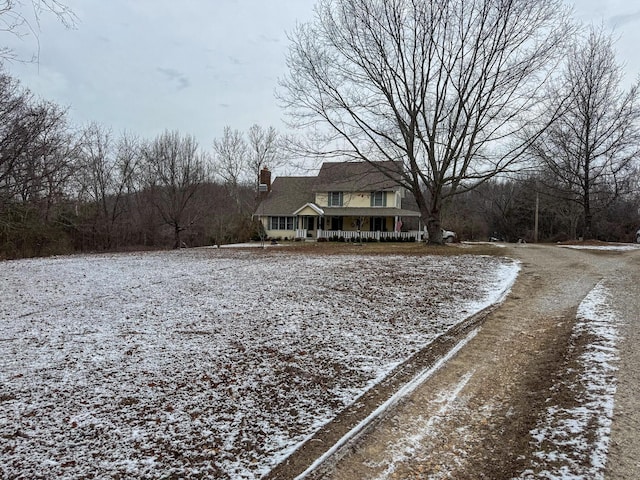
[{"x": 350, "y": 235}]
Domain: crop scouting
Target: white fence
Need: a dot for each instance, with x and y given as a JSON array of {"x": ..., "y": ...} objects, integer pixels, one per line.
[{"x": 350, "y": 235}]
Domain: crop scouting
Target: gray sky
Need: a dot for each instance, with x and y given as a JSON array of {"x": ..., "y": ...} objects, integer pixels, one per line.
[{"x": 198, "y": 65}]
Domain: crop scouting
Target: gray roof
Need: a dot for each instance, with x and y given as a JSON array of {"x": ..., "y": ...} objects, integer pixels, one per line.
[
  {"x": 289, "y": 194},
  {"x": 357, "y": 176},
  {"x": 369, "y": 212}
]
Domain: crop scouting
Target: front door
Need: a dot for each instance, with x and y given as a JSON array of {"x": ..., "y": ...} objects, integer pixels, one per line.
[
  {"x": 309, "y": 223},
  {"x": 378, "y": 224}
]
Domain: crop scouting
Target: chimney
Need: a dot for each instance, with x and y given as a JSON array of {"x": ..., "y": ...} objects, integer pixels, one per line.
[{"x": 265, "y": 179}]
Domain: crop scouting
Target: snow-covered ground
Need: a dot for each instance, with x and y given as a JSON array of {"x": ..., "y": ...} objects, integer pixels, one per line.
[
  {"x": 210, "y": 363},
  {"x": 573, "y": 442},
  {"x": 613, "y": 247}
]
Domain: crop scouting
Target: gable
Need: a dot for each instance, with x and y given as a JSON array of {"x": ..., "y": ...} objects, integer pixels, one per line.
[{"x": 309, "y": 209}]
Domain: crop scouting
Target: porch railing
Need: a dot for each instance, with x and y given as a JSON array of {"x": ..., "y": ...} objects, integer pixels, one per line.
[{"x": 349, "y": 235}]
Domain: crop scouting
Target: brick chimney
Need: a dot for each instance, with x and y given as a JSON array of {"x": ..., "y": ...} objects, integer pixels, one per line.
[{"x": 265, "y": 179}]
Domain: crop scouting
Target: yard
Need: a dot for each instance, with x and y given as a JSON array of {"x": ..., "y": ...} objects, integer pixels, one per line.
[{"x": 206, "y": 362}]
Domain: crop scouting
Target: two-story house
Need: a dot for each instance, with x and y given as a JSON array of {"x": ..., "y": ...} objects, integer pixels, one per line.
[{"x": 345, "y": 200}]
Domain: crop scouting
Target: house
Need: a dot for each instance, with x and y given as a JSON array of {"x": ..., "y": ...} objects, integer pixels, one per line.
[{"x": 345, "y": 200}]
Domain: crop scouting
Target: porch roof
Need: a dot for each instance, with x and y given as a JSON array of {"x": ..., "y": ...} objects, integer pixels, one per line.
[
  {"x": 368, "y": 212},
  {"x": 316, "y": 209}
]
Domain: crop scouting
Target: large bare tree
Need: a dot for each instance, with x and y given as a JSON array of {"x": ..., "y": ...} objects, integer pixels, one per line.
[
  {"x": 594, "y": 146},
  {"x": 444, "y": 86},
  {"x": 174, "y": 172}
]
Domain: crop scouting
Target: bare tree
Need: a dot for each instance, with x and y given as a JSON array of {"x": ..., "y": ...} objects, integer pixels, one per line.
[
  {"x": 22, "y": 18},
  {"x": 444, "y": 86},
  {"x": 128, "y": 157},
  {"x": 17, "y": 129},
  {"x": 97, "y": 158},
  {"x": 36, "y": 148},
  {"x": 593, "y": 147},
  {"x": 174, "y": 172},
  {"x": 107, "y": 178},
  {"x": 263, "y": 150},
  {"x": 50, "y": 161},
  {"x": 37, "y": 162},
  {"x": 231, "y": 161}
]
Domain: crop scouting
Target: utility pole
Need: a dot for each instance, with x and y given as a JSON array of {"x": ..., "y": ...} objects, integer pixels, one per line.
[{"x": 535, "y": 223}]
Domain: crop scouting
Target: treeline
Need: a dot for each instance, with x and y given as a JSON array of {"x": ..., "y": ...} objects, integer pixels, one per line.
[
  {"x": 506, "y": 210},
  {"x": 66, "y": 189}
]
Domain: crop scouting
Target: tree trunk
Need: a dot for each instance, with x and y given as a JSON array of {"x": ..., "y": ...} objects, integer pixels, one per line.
[
  {"x": 176, "y": 236},
  {"x": 588, "y": 221},
  {"x": 434, "y": 229},
  {"x": 434, "y": 225},
  {"x": 587, "y": 235}
]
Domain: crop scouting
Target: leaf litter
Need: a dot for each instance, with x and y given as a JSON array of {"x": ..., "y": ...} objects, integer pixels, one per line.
[{"x": 208, "y": 363}]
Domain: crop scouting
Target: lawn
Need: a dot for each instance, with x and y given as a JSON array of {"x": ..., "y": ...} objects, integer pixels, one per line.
[{"x": 212, "y": 363}]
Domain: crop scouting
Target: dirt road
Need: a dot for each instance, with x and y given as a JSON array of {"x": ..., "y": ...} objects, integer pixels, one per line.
[{"x": 472, "y": 418}]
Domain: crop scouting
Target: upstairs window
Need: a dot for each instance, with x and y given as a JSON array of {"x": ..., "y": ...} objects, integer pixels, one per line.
[
  {"x": 335, "y": 199},
  {"x": 378, "y": 199}
]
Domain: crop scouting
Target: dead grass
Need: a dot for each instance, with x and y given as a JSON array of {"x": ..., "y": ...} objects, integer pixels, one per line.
[
  {"x": 391, "y": 248},
  {"x": 591, "y": 243}
]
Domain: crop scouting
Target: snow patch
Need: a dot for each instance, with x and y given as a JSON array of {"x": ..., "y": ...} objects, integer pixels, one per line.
[
  {"x": 622, "y": 248},
  {"x": 573, "y": 442}
]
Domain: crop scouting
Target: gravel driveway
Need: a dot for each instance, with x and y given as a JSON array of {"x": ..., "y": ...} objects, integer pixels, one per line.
[{"x": 472, "y": 418}]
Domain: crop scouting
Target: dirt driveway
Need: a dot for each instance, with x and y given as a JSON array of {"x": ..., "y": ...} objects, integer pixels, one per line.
[{"x": 471, "y": 418}]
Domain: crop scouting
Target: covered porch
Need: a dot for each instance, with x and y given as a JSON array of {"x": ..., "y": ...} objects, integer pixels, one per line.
[{"x": 348, "y": 224}]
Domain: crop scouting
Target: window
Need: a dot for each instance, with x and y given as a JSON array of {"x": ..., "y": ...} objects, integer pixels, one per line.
[
  {"x": 336, "y": 223},
  {"x": 280, "y": 223},
  {"x": 378, "y": 199},
  {"x": 335, "y": 199}
]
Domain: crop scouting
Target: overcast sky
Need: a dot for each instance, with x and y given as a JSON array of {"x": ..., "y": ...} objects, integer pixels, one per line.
[{"x": 198, "y": 65}]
